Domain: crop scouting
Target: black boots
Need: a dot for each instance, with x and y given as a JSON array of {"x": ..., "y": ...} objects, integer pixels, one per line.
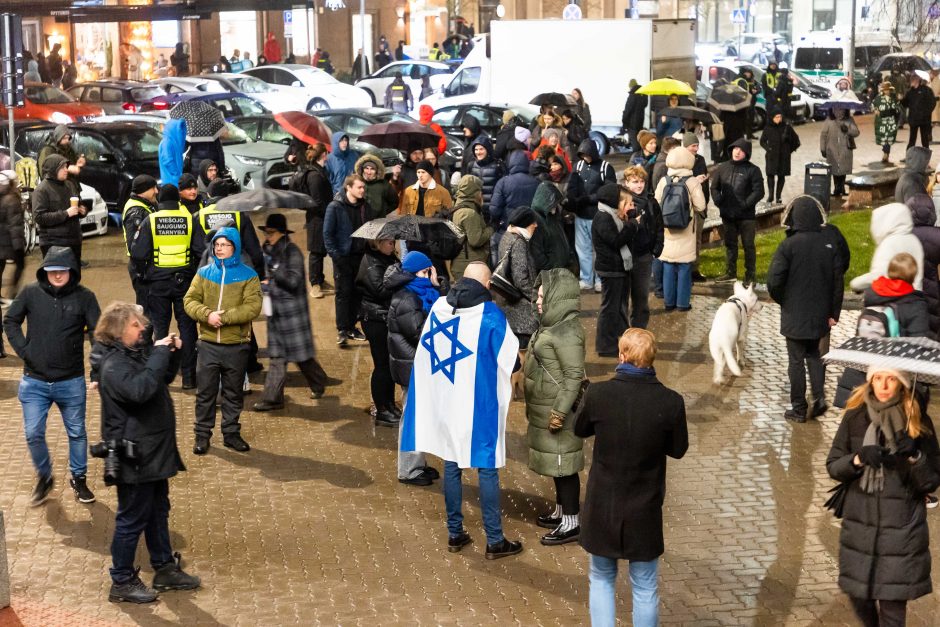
[
  {"x": 133, "y": 591},
  {"x": 172, "y": 577}
]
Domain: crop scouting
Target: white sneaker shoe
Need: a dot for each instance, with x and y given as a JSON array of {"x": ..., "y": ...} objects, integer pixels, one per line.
[
  {"x": 246, "y": 386},
  {"x": 316, "y": 291}
]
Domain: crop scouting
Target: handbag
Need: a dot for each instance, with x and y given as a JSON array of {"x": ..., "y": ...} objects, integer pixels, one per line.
[
  {"x": 836, "y": 502},
  {"x": 852, "y": 145},
  {"x": 501, "y": 281}
]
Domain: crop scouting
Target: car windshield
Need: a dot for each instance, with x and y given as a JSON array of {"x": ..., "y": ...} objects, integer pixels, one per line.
[
  {"x": 136, "y": 143},
  {"x": 47, "y": 94},
  {"x": 251, "y": 85},
  {"x": 312, "y": 76},
  {"x": 249, "y": 106},
  {"x": 143, "y": 94},
  {"x": 819, "y": 58},
  {"x": 234, "y": 135},
  {"x": 393, "y": 116}
]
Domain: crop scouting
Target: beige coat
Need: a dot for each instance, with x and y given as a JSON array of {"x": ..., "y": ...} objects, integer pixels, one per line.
[
  {"x": 679, "y": 246},
  {"x": 436, "y": 200}
]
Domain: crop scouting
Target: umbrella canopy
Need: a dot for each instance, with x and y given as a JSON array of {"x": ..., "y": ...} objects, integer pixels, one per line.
[
  {"x": 917, "y": 356},
  {"x": 410, "y": 228},
  {"x": 204, "y": 123},
  {"x": 691, "y": 113},
  {"x": 304, "y": 127},
  {"x": 666, "y": 87},
  {"x": 729, "y": 97},
  {"x": 900, "y": 61},
  {"x": 553, "y": 98},
  {"x": 405, "y": 136},
  {"x": 265, "y": 198},
  {"x": 844, "y": 100}
]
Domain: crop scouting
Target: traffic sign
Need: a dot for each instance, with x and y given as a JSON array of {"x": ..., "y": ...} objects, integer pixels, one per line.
[
  {"x": 571, "y": 12},
  {"x": 288, "y": 24},
  {"x": 738, "y": 16}
]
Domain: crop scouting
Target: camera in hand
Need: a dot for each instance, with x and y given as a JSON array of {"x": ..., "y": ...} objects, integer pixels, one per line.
[{"x": 112, "y": 452}]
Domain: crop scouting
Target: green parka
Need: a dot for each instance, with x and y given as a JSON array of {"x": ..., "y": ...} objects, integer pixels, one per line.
[
  {"x": 467, "y": 215},
  {"x": 554, "y": 369}
]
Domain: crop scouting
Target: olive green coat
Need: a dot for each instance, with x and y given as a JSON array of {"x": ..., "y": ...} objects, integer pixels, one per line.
[{"x": 554, "y": 369}]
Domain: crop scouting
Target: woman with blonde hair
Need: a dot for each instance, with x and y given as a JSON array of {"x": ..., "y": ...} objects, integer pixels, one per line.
[{"x": 886, "y": 453}]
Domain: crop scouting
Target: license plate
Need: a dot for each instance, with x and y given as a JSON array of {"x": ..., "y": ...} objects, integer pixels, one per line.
[
  {"x": 88, "y": 220},
  {"x": 285, "y": 180}
]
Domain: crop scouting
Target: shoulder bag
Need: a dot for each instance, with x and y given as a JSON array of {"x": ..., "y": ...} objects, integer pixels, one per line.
[{"x": 501, "y": 280}]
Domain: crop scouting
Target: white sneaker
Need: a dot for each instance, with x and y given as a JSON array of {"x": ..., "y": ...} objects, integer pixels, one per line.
[
  {"x": 246, "y": 386},
  {"x": 585, "y": 287},
  {"x": 597, "y": 288},
  {"x": 316, "y": 291}
]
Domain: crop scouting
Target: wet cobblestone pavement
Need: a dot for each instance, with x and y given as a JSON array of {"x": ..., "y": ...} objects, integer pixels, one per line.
[{"x": 312, "y": 527}]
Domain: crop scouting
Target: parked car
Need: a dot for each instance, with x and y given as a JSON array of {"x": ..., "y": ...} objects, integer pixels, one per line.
[
  {"x": 182, "y": 84},
  {"x": 230, "y": 104},
  {"x": 46, "y": 102},
  {"x": 322, "y": 90},
  {"x": 116, "y": 96},
  {"x": 412, "y": 71},
  {"x": 490, "y": 117},
  {"x": 758, "y": 47},
  {"x": 115, "y": 152},
  {"x": 255, "y": 88}
]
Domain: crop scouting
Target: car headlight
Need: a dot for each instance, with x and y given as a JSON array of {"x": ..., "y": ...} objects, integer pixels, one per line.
[
  {"x": 60, "y": 118},
  {"x": 253, "y": 161}
]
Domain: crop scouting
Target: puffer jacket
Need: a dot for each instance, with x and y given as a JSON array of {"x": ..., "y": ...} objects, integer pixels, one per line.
[
  {"x": 884, "y": 548},
  {"x": 554, "y": 369},
  {"x": 586, "y": 179},
  {"x": 405, "y": 320},
  {"x": 425, "y": 113},
  {"x": 50, "y": 207},
  {"x": 370, "y": 280},
  {"x": 679, "y": 245},
  {"x": 340, "y": 163},
  {"x": 924, "y": 217},
  {"x": 342, "y": 218},
  {"x": 549, "y": 244},
  {"x": 910, "y": 306},
  {"x": 12, "y": 235},
  {"x": 228, "y": 285},
  {"x": 469, "y": 218},
  {"x": 489, "y": 170},
  {"x": 737, "y": 186},
  {"x": 913, "y": 179},
  {"x": 515, "y": 189},
  {"x": 381, "y": 196},
  {"x": 892, "y": 228}
]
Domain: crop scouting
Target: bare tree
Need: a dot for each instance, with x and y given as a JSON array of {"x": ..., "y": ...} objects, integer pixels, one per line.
[{"x": 914, "y": 22}]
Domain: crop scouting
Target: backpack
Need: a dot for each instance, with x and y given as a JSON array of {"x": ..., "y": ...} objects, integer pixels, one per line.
[
  {"x": 298, "y": 182},
  {"x": 878, "y": 322},
  {"x": 676, "y": 205}
]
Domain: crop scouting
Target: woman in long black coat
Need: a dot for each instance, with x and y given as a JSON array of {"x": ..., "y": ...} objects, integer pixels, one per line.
[
  {"x": 637, "y": 422},
  {"x": 779, "y": 141},
  {"x": 373, "y": 311},
  {"x": 886, "y": 452}
]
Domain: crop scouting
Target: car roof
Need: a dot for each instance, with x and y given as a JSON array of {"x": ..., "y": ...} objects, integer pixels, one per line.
[
  {"x": 363, "y": 111},
  {"x": 122, "y": 83},
  {"x": 109, "y": 127},
  {"x": 200, "y": 95},
  {"x": 428, "y": 62}
]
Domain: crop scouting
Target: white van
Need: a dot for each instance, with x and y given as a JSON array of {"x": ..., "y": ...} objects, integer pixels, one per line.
[{"x": 821, "y": 55}]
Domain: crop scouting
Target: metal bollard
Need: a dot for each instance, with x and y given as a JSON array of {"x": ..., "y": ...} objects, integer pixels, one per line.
[{"x": 4, "y": 568}]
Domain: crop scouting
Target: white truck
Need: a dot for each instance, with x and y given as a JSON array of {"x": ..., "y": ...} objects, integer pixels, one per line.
[{"x": 520, "y": 59}]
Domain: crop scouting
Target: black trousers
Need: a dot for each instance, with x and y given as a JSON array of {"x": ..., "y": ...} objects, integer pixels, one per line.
[
  {"x": 925, "y": 135},
  {"x": 221, "y": 368},
  {"x": 838, "y": 185},
  {"x": 775, "y": 192},
  {"x": 638, "y": 290},
  {"x": 164, "y": 301},
  {"x": 568, "y": 494},
  {"x": 612, "y": 318},
  {"x": 277, "y": 376},
  {"x": 143, "y": 508},
  {"x": 19, "y": 261},
  {"x": 77, "y": 249},
  {"x": 874, "y": 613},
  {"x": 315, "y": 259},
  {"x": 745, "y": 230},
  {"x": 347, "y": 294},
  {"x": 634, "y": 140},
  {"x": 383, "y": 386},
  {"x": 802, "y": 354}
]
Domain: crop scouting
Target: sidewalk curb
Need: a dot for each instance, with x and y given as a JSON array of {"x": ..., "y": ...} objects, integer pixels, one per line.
[{"x": 851, "y": 301}]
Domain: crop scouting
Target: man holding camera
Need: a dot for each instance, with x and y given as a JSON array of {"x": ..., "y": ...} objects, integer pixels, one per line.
[
  {"x": 57, "y": 311},
  {"x": 138, "y": 428}
]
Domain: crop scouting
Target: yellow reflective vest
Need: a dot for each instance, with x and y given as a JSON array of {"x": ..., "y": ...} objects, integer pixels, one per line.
[
  {"x": 131, "y": 202},
  {"x": 211, "y": 218},
  {"x": 172, "y": 232}
]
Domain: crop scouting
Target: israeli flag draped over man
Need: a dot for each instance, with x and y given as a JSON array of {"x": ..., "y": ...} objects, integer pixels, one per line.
[{"x": 457, "y": 400}]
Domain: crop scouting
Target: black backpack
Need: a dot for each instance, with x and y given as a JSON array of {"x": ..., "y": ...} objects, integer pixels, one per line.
[
  {"x": 676, "y": 204},
  {"x": 298, "y": 182}
]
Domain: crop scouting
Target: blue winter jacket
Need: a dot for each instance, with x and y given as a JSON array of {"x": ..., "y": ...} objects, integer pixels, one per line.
[
  {"x": 516, "y": 189},
  {"x": 340, "y": 163},
  {"x": 171, "y": 150}
]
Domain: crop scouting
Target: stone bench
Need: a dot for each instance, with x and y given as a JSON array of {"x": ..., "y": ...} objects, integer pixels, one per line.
[
  {"x": 768, "y": 216},
  {"x": 868, "y": 187}
]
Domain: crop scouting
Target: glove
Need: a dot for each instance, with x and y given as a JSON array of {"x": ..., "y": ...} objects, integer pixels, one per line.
[
  {"x": 872, "y": 455},
  {"x": 556, "y": 422},
  {"x": 907, "y": 447},
  {"x": 844, "y": 127}
]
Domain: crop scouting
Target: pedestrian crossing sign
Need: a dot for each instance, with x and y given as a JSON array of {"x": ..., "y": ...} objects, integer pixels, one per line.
[{"x": 738, "y": 16}]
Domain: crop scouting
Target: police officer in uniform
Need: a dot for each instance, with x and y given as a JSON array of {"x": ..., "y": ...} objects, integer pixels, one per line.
[
  {"x": 140, "y": 204},
  {"x": 189, "y": 193},
  {"x": 746, "y": 82},
  {"x": 398, "y": 95},
  {"x": 209, "y": 219},
  {"x": 162, "y": 255}
]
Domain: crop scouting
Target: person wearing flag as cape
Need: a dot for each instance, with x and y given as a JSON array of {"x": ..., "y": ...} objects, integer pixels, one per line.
[{"x": 458, "y": 400}]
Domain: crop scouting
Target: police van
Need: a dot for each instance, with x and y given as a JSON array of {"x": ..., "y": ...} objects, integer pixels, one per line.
[{"x": 821, "y": 55}]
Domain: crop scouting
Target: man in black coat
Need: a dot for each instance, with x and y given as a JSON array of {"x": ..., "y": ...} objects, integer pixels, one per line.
[
  {"x": 59, "y": 222},
  {"x": 737, "y": 186},
  {"x": 136, "y": 407},
  {"x": 920, "y": 102},
  {"x": 633, "y": 112},
  {"x": 57, "y": 311},
  {"x": 805, "y": 280}
]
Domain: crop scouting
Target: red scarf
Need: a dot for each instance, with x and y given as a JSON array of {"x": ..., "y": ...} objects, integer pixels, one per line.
[{"x": 883, "y": 286}]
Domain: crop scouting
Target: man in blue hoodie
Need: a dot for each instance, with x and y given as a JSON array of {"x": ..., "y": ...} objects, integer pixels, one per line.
[{"x": 341, "y": 162}]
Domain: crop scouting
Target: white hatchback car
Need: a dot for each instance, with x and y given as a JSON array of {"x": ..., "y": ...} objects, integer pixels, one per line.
[
  {"x": 273, "y": 99},
  {"x": 413, "y": 71},
  {"x": 321, "y": 90}
]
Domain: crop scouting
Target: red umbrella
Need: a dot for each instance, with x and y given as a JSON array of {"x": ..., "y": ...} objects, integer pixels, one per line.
[{"x": 304, "y": 127}]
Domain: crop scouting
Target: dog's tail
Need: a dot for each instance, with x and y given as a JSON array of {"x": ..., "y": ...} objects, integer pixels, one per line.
[{"x": 730, "y": 361}]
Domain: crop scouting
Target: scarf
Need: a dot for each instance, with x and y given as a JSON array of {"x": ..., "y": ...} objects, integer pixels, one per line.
[
  {"x": 887, "y": 418},
  {"x": 625, "y": 253},
  {"x": 635, "y": 371},
  {"x": 425, "y": 290}
]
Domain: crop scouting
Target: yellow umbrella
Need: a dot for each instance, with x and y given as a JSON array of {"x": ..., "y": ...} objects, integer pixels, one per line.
[{"x": 666, "y": 87}]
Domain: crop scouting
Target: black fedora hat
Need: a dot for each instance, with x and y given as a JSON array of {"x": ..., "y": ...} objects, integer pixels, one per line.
[{"x": 276, "y": 222}]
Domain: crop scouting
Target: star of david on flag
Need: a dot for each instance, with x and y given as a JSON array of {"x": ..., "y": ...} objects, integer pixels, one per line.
[{"x": 457, "y": 350}]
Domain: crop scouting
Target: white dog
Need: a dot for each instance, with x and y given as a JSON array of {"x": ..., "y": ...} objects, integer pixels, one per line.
[{"x": 729, "y": 331}]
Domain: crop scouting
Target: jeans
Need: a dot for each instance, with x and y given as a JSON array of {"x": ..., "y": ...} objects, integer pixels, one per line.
[
  {"x": 638, "y": 291},
  {"x": 612, "y": 317},
  {"x": 891, "y": 614},
  {"x": 347, "y": 294},
  {"x": 925, "y": 135},
  {"x": 677, "y": 285},
  {"x": 410, "y": 463},
  {"x": 584, "y": 247},
  {"x": 489, "y": 501},
  {"x": 658, "y": 277},
  {"x": 643, "y": 580},
  {"x": 37, "y": 397},
  {"x": 381, "y": 382},
  {"x": 802, "y": 353},
  {"x": 142, "y": 508},
  {"x": 220, "y": 367},
  {"x": 745, "y": 229}
]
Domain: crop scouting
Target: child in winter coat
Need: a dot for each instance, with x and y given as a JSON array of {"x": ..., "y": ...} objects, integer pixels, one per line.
[{"x": 892, "y": 228}]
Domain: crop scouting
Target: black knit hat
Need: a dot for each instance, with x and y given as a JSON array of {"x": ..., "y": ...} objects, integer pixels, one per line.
[
  {"x": 168, "y": 198},
  {"x": 425, "y": 165},
  {"x": 142, "y": 183},
  {"x": 522, "y": 217},
  {"x": 188, "y": 181}
]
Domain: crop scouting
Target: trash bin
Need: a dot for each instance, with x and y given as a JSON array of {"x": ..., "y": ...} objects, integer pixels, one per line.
[{"x": 818, "y": 182}]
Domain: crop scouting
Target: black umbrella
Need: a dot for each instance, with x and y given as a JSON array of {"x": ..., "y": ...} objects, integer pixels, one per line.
[
  {"x": 917, "y": 356},
  {"x": 553, "y": 98},
  {"x": 410, "y": 228},
  {"x": 265, "y": 198},
  {"x": 405, "y": 136},
  {"x": 691, "y": 113},
  {"x": 729, "y": 97},
  {"x": 204, "y": 123}
]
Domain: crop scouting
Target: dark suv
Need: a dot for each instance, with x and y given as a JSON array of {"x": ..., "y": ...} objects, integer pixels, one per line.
[{"x": 116, "y": 96}]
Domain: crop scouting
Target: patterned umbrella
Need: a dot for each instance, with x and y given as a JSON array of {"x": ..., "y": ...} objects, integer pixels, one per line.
[
  {"x": 844, "y": 100},
  {"x": 410, "y": 228},
  {"x": 729, "y": 97},
  {"x": 917, "y": 356},
  {"x": 204, "y": 123},
  {"x": 691, "y": 113},
  {"x": 265, "y": 198}
]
